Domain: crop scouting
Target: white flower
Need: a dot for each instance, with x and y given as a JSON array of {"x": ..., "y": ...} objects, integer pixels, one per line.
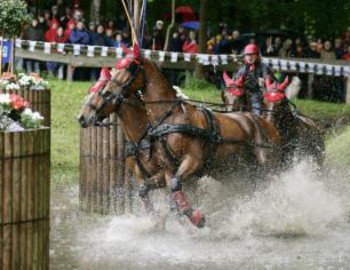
[
  {"x": 37, "y": 116},
  {"x": 26, "y": 80},
  {"x": 12, "y": 86},
  {"x": 5, "y": 99},
  {"x": 14, "y": 126}
]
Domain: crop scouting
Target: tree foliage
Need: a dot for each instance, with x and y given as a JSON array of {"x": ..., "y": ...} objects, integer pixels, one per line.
[
  {"x": 13, "y": 15},
  {"x": 320, "y": 18}
]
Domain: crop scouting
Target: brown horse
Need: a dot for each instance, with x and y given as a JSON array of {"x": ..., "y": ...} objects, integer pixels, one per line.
[
  {"x": 233, "y": 96},
  {"x": 300, "y": 135},
  {"x": 182, "y": 139}
]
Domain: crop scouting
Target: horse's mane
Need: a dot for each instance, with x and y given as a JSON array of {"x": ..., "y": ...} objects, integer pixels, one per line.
[{"x": 158, "y": 75}]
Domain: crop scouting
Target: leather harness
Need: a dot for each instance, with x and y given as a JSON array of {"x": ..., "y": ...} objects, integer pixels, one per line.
[{"x": 159, "y": 131}]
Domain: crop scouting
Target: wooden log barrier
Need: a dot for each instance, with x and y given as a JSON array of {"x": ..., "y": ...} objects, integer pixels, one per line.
[
  {"x": 104, "y": 187},
  {"x": 25, "y": 245},
  {"x": 24, "y": 199},
  {"x": 40, "y": 100}
]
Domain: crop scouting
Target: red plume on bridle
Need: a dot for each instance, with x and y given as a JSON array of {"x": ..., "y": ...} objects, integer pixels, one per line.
[
  {"x": 137, "y": 53},
  {"x": 228, "y": 81},
  {"x": 282, "y": 86},
  {"x": 234, "y": 87},
  {"x": 125, "y": 62},
  {"x": 105, "y": 77}
]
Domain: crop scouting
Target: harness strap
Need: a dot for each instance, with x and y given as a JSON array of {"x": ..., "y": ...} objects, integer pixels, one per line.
[
  {"x": 133, "y": 149},
  {"x": 214, "y": 130}
]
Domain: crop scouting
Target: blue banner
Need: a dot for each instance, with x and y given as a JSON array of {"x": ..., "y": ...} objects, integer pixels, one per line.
[{"x": 6, "y": 52}]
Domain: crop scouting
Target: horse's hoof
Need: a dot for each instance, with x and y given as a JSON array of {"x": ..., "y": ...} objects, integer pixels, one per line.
[{"x": 197, "y": 219}]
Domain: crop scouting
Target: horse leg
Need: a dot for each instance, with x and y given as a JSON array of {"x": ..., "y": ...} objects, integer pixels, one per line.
[
  {"x": 188, "y": 166},
  {"x": 154, "y": 182}
]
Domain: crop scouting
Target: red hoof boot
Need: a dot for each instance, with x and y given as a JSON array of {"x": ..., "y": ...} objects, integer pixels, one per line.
[{"x": 197, "y": 219}]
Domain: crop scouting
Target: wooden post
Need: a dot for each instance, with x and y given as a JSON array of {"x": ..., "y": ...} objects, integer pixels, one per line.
[
  {"x": 347, "y": 97},
  {"x": 70, "y": 70},
  {"x": 310, "y": 92}
]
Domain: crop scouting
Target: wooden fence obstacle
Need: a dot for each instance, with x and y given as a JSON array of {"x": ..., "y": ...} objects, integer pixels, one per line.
[
  {"x": 25, "y": 246},
  {"x": 24, "y": 199},
  {"x": 104, "y": 179}
]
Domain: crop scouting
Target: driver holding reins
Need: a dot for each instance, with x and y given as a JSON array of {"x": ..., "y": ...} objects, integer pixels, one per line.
[{"x": 255, "y": 73}]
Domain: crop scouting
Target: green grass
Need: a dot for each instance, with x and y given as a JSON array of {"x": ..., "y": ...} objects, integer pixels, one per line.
[
  {"x": 338, "y": 148},
  {"x": 67, "y": 100}
]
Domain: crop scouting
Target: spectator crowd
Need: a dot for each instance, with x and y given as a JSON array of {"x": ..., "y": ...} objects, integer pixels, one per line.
[{"x": 66, "y": 24}]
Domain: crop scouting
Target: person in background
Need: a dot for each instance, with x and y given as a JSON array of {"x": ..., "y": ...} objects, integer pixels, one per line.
[
  {"x": 118, "y": 42},
  {"x": 42, "y": 23},
  {"x": 100, "y": 39},
  {"x": 60, "y": 38},
  {"x": 158, "y": 36},
  {"x": 338, "y": 49},
  {"x": 34, "y": 33},
  {"x": 67, "y": 17},
  {"x": 327, "y": 53},
  {"x": 236, "y": 43},
  {"x": 268, "y": 49},
  {"x": 126, "y": 37},
  {"x": 191, "y": 45},
  {"x": 286, "y": 49},
  {"x": 109, "y": 37},
  {"x": 92, "y": 31},
  {"x": 50, "y": 36},
  {"x": 79, "y": 35}
]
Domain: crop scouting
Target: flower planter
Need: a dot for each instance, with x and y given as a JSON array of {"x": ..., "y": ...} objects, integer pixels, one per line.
[
  {"x": 24, "y": 176},
  {"x": 104, "y": 179},
  {"x": 40, "y": 100}
]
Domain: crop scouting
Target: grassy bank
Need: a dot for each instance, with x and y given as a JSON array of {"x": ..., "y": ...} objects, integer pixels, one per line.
[{"x": 68, "y": 97}]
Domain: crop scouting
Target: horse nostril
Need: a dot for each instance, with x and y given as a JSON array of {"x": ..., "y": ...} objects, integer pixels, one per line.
[{"x": 82, "y": 121}]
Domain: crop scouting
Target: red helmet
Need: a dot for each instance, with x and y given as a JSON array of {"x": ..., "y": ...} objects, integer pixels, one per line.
[{"x": 251, "y": 49}]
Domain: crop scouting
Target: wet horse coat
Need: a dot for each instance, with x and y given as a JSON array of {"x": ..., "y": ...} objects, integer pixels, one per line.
[
  {"x": 184, "y": 139},
  {"x": 299, "y": 134}
]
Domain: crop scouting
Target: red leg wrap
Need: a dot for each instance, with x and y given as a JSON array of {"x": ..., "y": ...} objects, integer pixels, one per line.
[{"x": 181, "y": 201}]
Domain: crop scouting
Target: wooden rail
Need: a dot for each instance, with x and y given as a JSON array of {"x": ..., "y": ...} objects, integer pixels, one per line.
[{"x": 82, "y": 60}]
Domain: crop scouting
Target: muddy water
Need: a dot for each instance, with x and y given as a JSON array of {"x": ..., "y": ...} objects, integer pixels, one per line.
[{"x": 299, "y": 220}]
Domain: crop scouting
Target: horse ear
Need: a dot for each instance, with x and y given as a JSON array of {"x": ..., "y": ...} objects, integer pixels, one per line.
[
  {"x": 240, "y": 81},
  {"x": 268, "y": 82},
  {"x": 125, "y": 49},
  {"x": 105, "y": 74},
  {"x": 137, "y": 51},
  {"x": 283, "y": 85},
  {"x": 228, "y": 81}
]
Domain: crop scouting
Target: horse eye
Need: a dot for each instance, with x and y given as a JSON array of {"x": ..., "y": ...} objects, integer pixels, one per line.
[{"x": 106, "y": 94}]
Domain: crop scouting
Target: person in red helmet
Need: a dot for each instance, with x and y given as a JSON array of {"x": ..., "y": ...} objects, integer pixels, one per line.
[{"x": 255, "y": 74}]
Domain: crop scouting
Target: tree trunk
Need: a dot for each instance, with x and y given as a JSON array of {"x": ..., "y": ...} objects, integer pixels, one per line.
[
  {"x": 202, "y": 36},
  {"x": 166, "y": 45},
  {"x": 95, "y": 11}
]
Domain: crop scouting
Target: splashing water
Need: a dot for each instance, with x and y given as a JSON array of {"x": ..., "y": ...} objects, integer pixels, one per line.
[{"x": 290, "y": 222}]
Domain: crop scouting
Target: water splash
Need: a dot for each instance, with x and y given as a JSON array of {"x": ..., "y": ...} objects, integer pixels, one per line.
[{"x": 295, "y": 204}]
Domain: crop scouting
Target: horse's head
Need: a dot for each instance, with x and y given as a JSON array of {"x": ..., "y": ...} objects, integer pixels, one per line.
[
  {"x": 275, "y": 92},
  {"x": 233, "y": 95},
  {"x": 275, "y": 95},
  {"x": 128, "y": 79},
  {"x": 97, "y": 105}
]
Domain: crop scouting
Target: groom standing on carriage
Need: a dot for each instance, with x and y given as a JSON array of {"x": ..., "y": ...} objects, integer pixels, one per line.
[{"x": 254, "y": 73}]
